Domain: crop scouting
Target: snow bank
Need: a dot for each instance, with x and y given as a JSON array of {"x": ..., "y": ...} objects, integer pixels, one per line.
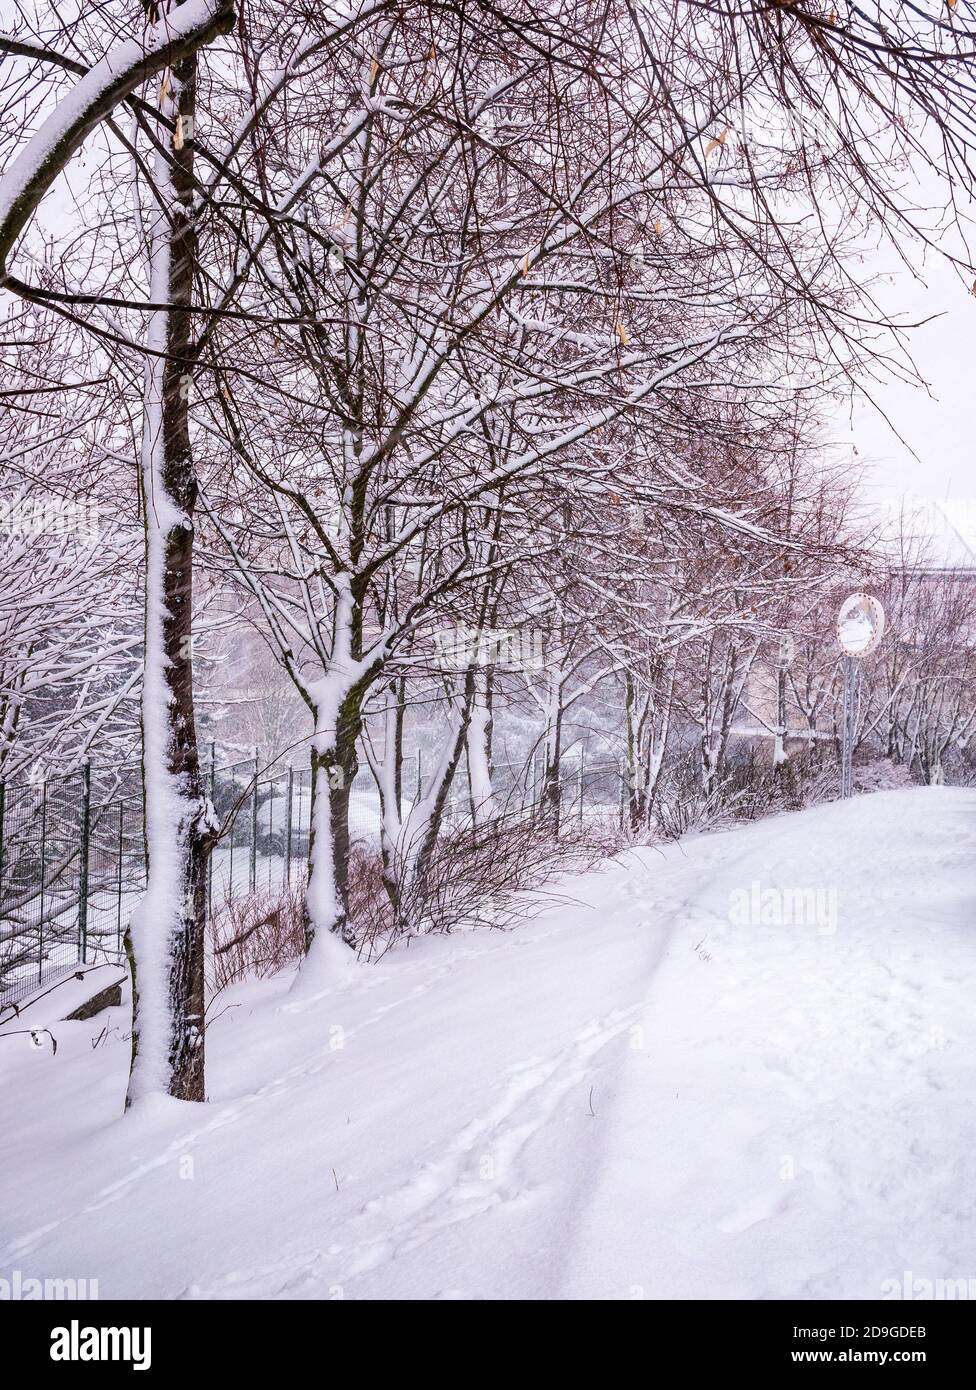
[{"x": 634, "y": 1095}]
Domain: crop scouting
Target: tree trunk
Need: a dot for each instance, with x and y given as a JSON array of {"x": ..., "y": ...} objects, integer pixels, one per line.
[
  {"x": 551, "y": 787},
  {"x": 335, "y": 763},
  {"x": 480, "y": 789},
  {"x": 779, "y": 738},
  {"x": 167, "y": 929},
  {"x": 635, "y": 768},
  {"x": 428, "y": 840}
]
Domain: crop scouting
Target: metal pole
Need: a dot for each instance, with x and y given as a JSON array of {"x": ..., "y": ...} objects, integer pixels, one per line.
[
  {"x": 83, "y": 862},
  {"x": 288, "y": 815},
  {"x": 210, "y": 856},
  {"x": 850, "y": 731},
  {"x": 846, "y": 779},
  {"x": 40, "y": 925},
  {"x": 419, "y": 777},
  {"x": 254, "y": 826},
  {"x": 229, "y": 886},
  {"x": 843, "y": 725},
  {"x": 118, "y": 917},
  {"x": 2, "y": 800},
  {"x": 270, "y": 825},
  {"x": 855, "y": 714},
  {"x": 581, "y": 788},
  {"x": 301, "y": 801}
]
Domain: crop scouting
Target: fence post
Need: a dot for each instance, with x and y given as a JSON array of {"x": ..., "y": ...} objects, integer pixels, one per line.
[
  {"x": 210, "y": 856},
  {"x": 271, "y": 797},
  {"x": 2, "y": 798},
  {"x": 40, "y": 921},
  {"x": 288, "y": 814},
  {"x": 254, "y": 826},
  {"x": 118, "y": 915},
  {"x": 83, "y": 861},
  {"x": 229, "y": 885}
]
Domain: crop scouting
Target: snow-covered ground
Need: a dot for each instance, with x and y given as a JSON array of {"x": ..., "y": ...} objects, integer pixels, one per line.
[{"x": 644, "y": 1092}]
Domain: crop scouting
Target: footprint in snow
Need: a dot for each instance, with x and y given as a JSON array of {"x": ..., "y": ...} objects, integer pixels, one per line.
[{"x": 761, "y": 1208}]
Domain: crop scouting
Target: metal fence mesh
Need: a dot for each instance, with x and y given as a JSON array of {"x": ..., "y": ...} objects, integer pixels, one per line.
[{"x": 73, "y": 863}]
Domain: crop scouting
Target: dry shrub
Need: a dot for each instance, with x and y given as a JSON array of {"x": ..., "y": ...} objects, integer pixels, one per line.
[
  {"x": 476, "y": 877},
  {"x": 256, "y": 935},
  {"x": 881, "y": 775},
  {"x": 489, "y": 875},
  {"x": 370, "y": 908},
  {"x": 752, "y": 787}
]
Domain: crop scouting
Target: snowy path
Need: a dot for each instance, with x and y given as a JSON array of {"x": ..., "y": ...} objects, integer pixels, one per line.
[{"x": 632, "y": 1095}]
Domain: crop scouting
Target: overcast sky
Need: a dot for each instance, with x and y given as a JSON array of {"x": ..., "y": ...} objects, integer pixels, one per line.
[{"x": 937, "y": 425}]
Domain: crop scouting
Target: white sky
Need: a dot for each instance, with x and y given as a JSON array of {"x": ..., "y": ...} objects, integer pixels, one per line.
[{"x": 932, "y": 466}]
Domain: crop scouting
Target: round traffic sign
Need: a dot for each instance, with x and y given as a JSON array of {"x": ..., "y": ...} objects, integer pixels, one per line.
[{"x": 860, "y": 624}]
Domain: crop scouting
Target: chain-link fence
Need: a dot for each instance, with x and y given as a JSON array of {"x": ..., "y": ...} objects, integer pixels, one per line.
[{"x": 73, "y": 856}]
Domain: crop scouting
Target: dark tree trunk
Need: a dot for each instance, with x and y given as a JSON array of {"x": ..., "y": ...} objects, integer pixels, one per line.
[
  {"x": 552, "y": 790},
  {"x": 333, "y": 773},
  {"x": 169, "y": 472},
  {"x": 442, "y": 792}
]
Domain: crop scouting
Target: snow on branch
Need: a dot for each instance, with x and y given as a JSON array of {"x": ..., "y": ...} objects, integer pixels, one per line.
[{"x": 176, "y": 34}]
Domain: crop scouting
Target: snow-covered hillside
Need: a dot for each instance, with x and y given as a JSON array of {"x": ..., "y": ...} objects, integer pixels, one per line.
[{"x": 644, "y": 1092}]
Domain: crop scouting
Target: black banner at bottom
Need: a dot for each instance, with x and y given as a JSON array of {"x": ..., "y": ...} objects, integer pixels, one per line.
[{"x": 177, "y": 1339}]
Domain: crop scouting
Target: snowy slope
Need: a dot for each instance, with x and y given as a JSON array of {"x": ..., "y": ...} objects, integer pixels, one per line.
[{"x": 632, "y": 1096}]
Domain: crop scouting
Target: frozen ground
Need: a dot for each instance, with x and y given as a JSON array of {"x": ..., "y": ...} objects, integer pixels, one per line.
[{"x": 633, "y": 1095}]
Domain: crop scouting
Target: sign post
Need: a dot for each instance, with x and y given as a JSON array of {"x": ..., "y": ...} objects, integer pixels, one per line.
[{"x": 860, "y": 626}]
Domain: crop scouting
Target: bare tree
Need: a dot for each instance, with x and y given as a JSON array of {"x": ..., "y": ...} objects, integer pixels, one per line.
[{"x": 167, "y": 931}]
